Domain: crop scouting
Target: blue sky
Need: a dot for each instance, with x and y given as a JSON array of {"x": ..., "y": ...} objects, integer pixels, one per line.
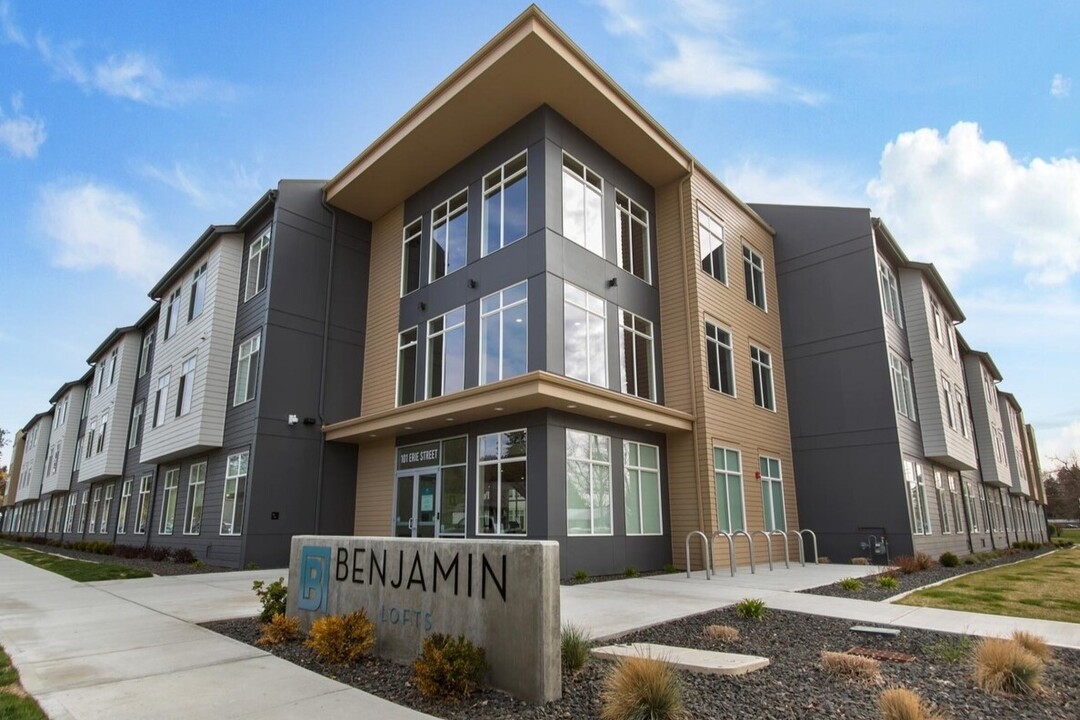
[{"x": 127, "y": 128}]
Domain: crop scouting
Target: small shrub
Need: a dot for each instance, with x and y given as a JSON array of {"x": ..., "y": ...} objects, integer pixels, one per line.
[
  {"x": 575, "y": 648},
  {"x": 860, "y": 561},
  {"x": 198, "y": 564},
  {"x": 158, "y": 554},
  {"x": 272, "y": 597},
  {"x": 1034, "y": 644},
  {"x": 823, "y": 560},
  {"x": 1063, "y": 542},
  {"x": 969, "y": 560},
  {"x": 907, "y": 564},
  {"x": 723, "y": 633},
  {"x": 251, "y": 565},
  {"x": 948, "y": 560},
  {"x": 851, "y": 584},
  {"x": 863, "y": 668},
  {"x": 1005, "y": 666},
  {"x": 449, "y": 668},
  {"x": 670, "y": 569},
  {"x": 923, "y": 561},
  {"x": 341, "y": 638},
  {"x": 903, "y": 704},
  {"x": 888, "y": 582},
  {"x": 751, "y": 609},
  {"x": 952, "y": 650},
  {"x": 184, "y": 556},
  {"x": 631, "y": 571},
  {"x": 281, "y": 628},
  {"x": 641, "y": 687},
  {"x": 581, "y": 575}
]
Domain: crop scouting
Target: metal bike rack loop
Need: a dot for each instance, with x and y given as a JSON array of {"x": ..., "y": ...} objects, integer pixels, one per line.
[
  {"x": 768, "y": 541},
  {"x": 707, "y": 559},
  {"x": 787, "y": 550},
  {"x": 802, "y": 539},
  {"x": 731, "y": 548},
  {"x": 750, "y": 544}
]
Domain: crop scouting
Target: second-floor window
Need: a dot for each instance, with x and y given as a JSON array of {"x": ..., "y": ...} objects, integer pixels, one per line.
[
  {"x": 198, "y": 293},
  {"x": 410, "y": 257},
  {"x": 718, "y": 352},
  {"x": 406, "y": 367},
  {"x": 172, "y": 314},
  {"x": 890, "y": 292},
  {"x": 161, "y": 398},
  {"x": 258, "y": 266},
  {"x": 187, "y": 383},
  {"x": 446, "y": 353},
  {"x": 583, "y": 206},
  {"x": 135, "y": 432},
  {"x": 506, "y": 198},
  {"x": 247, "y": 370},
  {"x": 632, "y": 236},
  {"x": 754, "y": 272},
  {"x": 584, "y": 335},
  {"x": 504, "y": 333},
  {"x": 102, "y": 435},
  {"x": 761, "y": 368},
  {"x": 903, "y": 394},
  {"x": 636, "y": 349},
  {"x": 449, "y": 235}
]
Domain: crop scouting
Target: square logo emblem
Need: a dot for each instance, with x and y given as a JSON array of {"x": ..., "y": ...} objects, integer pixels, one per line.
[{"x": 314, "y": 578}]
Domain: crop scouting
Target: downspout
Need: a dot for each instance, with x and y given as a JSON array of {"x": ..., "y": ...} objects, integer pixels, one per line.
[
  {"x": 322, "y": 368},
  {"x": 690, "y": 343}
]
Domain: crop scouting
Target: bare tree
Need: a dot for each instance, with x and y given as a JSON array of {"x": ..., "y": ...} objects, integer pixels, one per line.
[{"x": 1063, "y": 489}]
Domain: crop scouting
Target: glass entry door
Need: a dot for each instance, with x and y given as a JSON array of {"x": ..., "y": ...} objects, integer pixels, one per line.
[{"x": 415, "y": 508}]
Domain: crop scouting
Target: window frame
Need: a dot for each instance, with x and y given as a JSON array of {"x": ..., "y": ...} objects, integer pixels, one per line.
[
  {"x": 650, "y": 343},
  {"x": 578, "y": 300},
  {"x": 715, "y": 342},
  {"x": 161, "y": 400},
  {"x": 714, "y": 228},
  {"x": 253, "y": 343},
  {"x": 451, "y": 209},
  {"x": 591, "y": 464},
  {"x": 185, "y": 390},
  {"x": 196, "y": 491},
  {"x": 728, "y": 475},
  {"x": 753, "y": 271},
  {"x": 106, "y": 507},
  {"x": 125, "y": 503},
  {"x": 239, "y": 498},
  {"x": 760, "y": 369},
  {"x": 146, "y": 349},
  {"x": 95, "y": 504},
  {"x": 413, "y": 232},
  {"x": 500, "y": 461},
  {"x": 889, "y": 289},
  {"x": 258, "y": 247},
  {"x": 442, "y": 334},
  {"x": 625, "y": 208},
  {"x": 169, "y": 490},
  {"x": 769, "y": 484},
  {"x": 903, "y": 386},
  {"x": 404, "y": 346},
  {"x": 197, "y": 296},
  {"x": 142, "y": 508},
  {"x": 639, "y": 468},
  {"x": 585, "y": 179},
  {"x": 500, "y": 184},
  {"x": 135, "y": 431},
  {"x": 497, "y": 314},
  {"x": 172, "y": 315}
]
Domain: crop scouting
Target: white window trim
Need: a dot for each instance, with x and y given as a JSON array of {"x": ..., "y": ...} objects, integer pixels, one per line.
[
  {"x": 758, "y": 265},
  {"x": 715, "y": 226},
  {"x": 431, "y": 335},
  {"x": 772, "y": 374},
  {"x": 479, "y": 484},
  {"x": 167, "y": 521},
  {"x": 586, "y": 183},
  {"x": 413, "y": 231},
  {"x": 589, "y": 314},
  {"x": 224, "y": 495},
  {"x": 779, "y": 480},
  {"x": 498, "y": 313},
  {"x": 731, "y": 351},
  {"x": 591, "y": 464},
  {"x": 659, "y": 485},
  {"x": 627, "y": 215},
  {"x": 742, "y": 487},
  {"x": 452, "y": 210},
  {"x": 402, "y": 345},
  {"x": 189, "y": 505},
  {"x": 651, "y": 338},
  {"x": 257, "y": 247},
  {"x": 253, "y": 343},
  {"x": 500, "y": 187}
]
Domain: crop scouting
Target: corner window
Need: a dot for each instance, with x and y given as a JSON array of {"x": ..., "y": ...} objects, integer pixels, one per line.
[
  {"x": 720, "y": 359},
  {"x": 232, "y": 503},
  {"x": 754, "y": 272},
  {"x": 406, "y": 367},
  {"x": 761, "y": 369},
  {"x": 588, "y": 484},
  {"x": 247, "y": 370},
  {"x": 161, "y": 399},
  {"x": 506, "y": 199},
  {"x": 198, "y": 293},
  {"x": 903, "y": 395},
  {"x": 449, "y": 235},
  {"x": 410, "y": 257},
  {"x": 772, "y": 494},
  {"x": 632, "y": 235},
  {"x": 730, "y": 513},
  {"x": 636, "y": 351},
  {"x": 504, "y": 333},
  {"x": 446, "y": 353},
  {"x": 258, "y": 266},
  {"x": 142, "y": 512},
  {"x": 501, "y": 474},
  {"x": 194, "y": 508},
  {"x": 890, "y": 292},
  {"x": 168, "y": 501},
  {"x": 172, "y": 316},
  {"x": 583, "y": 206},
  {"x": 641, "y": 489},
  {"x": 584, "y": 335}
]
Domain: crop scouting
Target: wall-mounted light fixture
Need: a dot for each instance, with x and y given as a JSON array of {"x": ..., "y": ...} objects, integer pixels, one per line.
[
  {"x": 613, "y": 282},
  {"x": 472, "y": 283}
]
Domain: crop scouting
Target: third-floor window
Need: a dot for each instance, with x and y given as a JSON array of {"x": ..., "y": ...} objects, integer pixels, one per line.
[
  {"x": 506, "y": 198},
  {"x": 449, "y": 235},
  {"x": 198, "y": 293},
  {"x": 258, "y": 265},
  {"x": 632, "y": 234},
  {"x": 172, "y": 314},
  {"x": 583, "y": 206}
]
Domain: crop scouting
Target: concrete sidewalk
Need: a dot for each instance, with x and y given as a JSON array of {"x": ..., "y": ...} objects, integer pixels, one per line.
[{"x": 127, "y": 650}]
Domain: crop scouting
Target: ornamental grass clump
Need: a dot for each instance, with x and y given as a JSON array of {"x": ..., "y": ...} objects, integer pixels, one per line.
[
  {"x": 751, "y": 609},
  {"x": 338, "y": 639},
  {"x": 888, "y": 582},
  {"x": 903, "y": 704},
  {"x": 449, "y": 668},
  {"x": 280, "y": 629},
  {"x": 1005, "y": 666},
  {"x": 575, "y": 648},
  {"x": 723, "y": 633},
  {"x": 851, "y": 584},
  {"x": 1034, "y": 644},
  {"x": 853, "y": 666},
  {"x": 907, "y": 564},
  {"x": 641, "y": 688}
]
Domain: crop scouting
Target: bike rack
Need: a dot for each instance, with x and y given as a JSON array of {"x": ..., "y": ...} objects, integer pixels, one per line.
[
  {"x": 708, "y": 552},
  {"x": 787, "y": 550},
  {"x": 750, "y": 544},
  {"x": 802, "y": 539},
  {"x": 731, "y": 549},
  {"x": 768, "y": 541}
]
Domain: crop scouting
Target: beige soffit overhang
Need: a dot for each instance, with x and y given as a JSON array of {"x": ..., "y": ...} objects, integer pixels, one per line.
[
  {"x": 529, "y": 64},
  {"x": 533, "y": 391}
]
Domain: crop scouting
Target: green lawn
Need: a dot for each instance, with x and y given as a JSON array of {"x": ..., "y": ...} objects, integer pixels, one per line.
[
  {"x": 1070, "y": 534},
  {"x": 14, "y": 703},
  {"x": 77, "y": 570},
  {"x": 1043, "y": 589}
]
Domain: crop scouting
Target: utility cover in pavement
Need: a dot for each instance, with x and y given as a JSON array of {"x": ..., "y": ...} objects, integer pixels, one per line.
[{"x": 700, "y": 661}]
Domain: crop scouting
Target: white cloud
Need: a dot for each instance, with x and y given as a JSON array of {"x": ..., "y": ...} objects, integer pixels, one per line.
[
  {"x": 9, "y": 31},
  {"x": 621, "y": 20},
  {"x": 225, "y": 188},
  {"x": 1061, "y": 446},
  {"x": 21, "y": 135},
  {"x": 799, "y": 183},
  {"x": 1060, "y": 86},
  {"x": 963, "y": 201},
  {"x": 91, "y": 226},
  {"x": 703, "y": 67}
]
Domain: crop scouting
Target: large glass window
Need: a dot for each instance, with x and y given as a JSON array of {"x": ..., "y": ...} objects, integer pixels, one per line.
[
  {"x": 584, "y": 335},
  {"x": 142, "y": 512},
  {"x": 122, "y": 511},
  {"x": 106, "y": 506},
  {"x": 632, "y": 233},
  {"x": 247, "y": 369},
  {"x": 903, "y": 394},
  {"x": 257, "y": 266},
  {"x": 504, "y": 333},
  {"x": 955, "y": 502},
  {"x": 641, "y": 487},
  {"x": 147, "y": 349},
  {"x": 172, "y": 317},
  {"x": 410, "y": 257},
  {"x": 761, "y": 369},
  {"x": 161, "y": 399},
  {"x": 583, "y": 206},
  {"x": 588, "y": 483},
  {"x": 890, "y": 292},
  {"x": 135, "y": 431},
  {"x": 103, "y": 433},
  {"x": 720, "y": 357},
  {"x": 917, "y": 506},
  {"x": 942, "y": 503},
  {"x": 501, "y": 461},
  {"x": 636, "y": 351},
  {"x": 754, "y": 272},
  {"x": 193, "y": 510},
  {"x": 95, "y": 505},
  {"x": 83, "y": 510},
  {"x": 960, "y": 401},
  {"x": 452, "y": 481},
  {"x": 198, "y": 293},
  {"x": 168, "y": 501},
  {"x": 946, "y": 393},
  {"x": 506, "y": 199},
  {"x": 69, "y": 518},
  {"x": 772, "y": 494},
  {"x": 449, "y": 235},
  {"x": 232, "y": 502},
  {"x": 974, "y": 508},
  {"x": 187, "y": 384},
  {"x": 446, "y": 353},
  {"x": 729, "y": 490},
  {"x": 406, "y": 367}
]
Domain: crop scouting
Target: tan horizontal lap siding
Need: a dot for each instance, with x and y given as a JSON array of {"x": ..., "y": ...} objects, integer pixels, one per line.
[
  {"x": 374, "y": 488},
  {"x": 384, "y": 292}
]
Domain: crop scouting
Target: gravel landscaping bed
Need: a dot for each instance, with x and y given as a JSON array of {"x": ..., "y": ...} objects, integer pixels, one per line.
[
  {"x": 793, "y": 686},
  {"x": 936, "y": 573}
]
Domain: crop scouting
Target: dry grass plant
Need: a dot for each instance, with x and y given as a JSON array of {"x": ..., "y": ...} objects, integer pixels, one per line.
[
  {"x": 903, "y": 704},
  {"x": 1034, "y": 644},
  {"x": 642, "y": 688},
  {"x": 280, "y": 629},
  {"x": 449, "y": 668},
  {"x": 1005, "y": 666},
  {"x": 341, "y": 639},
  {"x": 723, "y": 633},
  {"x": 852, "y": 666}
]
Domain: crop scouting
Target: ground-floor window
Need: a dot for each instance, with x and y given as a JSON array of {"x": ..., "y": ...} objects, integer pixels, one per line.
[
  {"x": 194, "y": 507},
  {"x": 641, "y": 468},
  {"x": 69, "y": 519},
  {"x": 730, "y": 513},
  {"x": 142, "y": 513},
  {"x": 772, "y": 494},
  {"x": 58, "y": 514},
  {"x": 972, "y": 508},
  {"x": 82, "y": 510},
  {"x": 106, "y": 506},
  {"x": 588, "y": 483},
  {"x": 954, "y": 501},
  {"x": 942, "y": 502},
  {"x": 121, "y": 512},
  {"x": 95, "y": 503},
  {"x": 232, "y": 504},
  {"x": 168, "y": 501},
  {"x": 916, "y": 483},
  {"x": 501, "y": 461}
]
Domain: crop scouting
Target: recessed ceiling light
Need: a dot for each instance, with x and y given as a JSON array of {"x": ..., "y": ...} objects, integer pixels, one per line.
[
  {"x": 408, "y": 427},
  {"x": 449, "y": 419},
  {"x": 372, "y": 435},
  {"x": 613, "y": 416},
  {"x": 571, "y": 407},
  {"x": 498, "y": 409},
  {"x": 648, "y": 424}
]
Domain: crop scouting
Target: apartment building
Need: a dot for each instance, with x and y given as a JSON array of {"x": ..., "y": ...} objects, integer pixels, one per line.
[
  {"x": 879, "y": 382},
  {"x": 7, "y": 503}
]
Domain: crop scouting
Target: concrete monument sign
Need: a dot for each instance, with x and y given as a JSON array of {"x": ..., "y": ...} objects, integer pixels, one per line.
[{"x": 502, "y": 595}]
